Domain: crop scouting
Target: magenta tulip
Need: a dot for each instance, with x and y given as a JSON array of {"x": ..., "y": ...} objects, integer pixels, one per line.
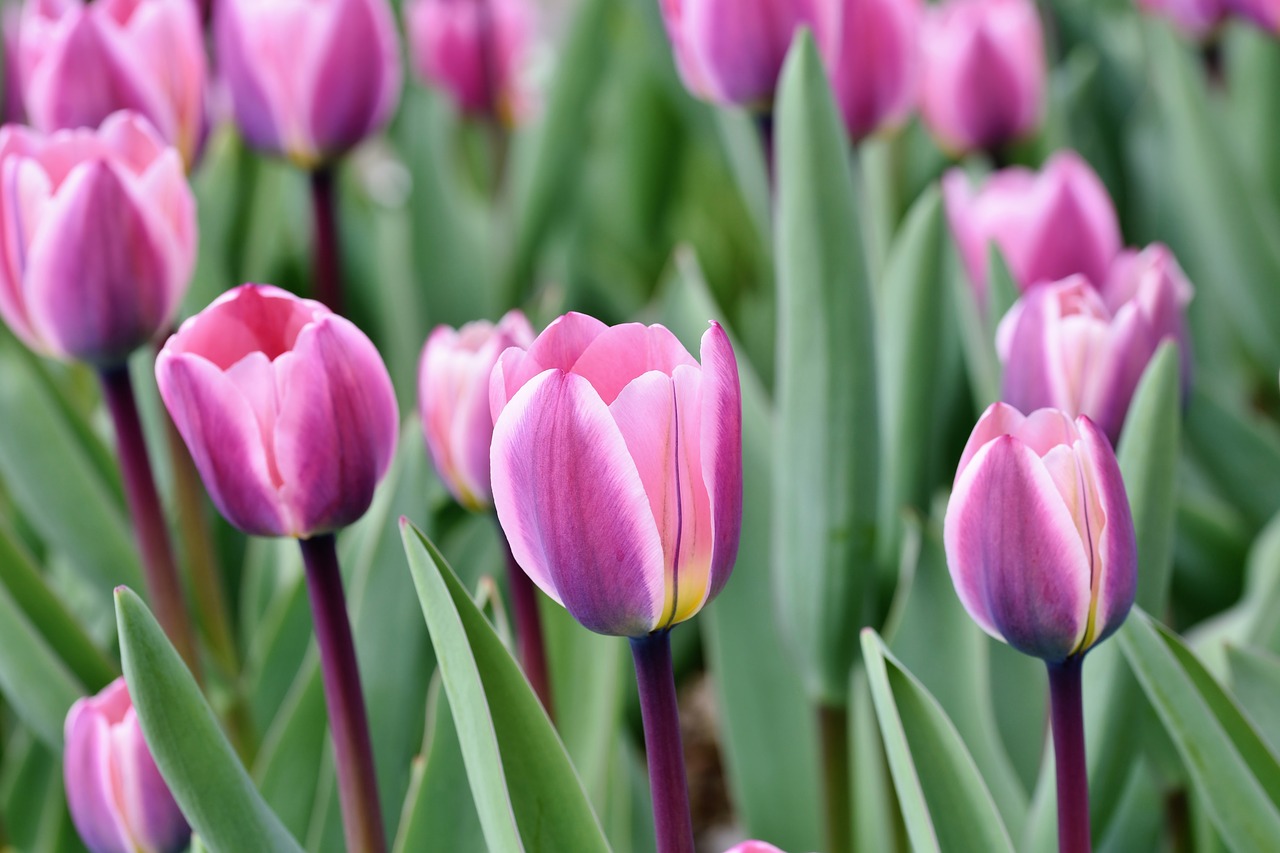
[
  {"x": 308, "y": 78},
  {"x": 80, "y": 62},
  {"x": 984, "y": 72},
  {"x": 873, "y": 57},
  {"x": 617, "y": 470},
  {"x": 1196, "y": 18},
  {"x": 117, "y": 798},
  {"x": 1038, "y": 534},
  {"x": 101, "y": 238},
  {"x": 453, "y": 399},
  {"x": 1048, "y": 225},
  {"x": 754, "y": 847},
  {"x": 286, "y": 407}
]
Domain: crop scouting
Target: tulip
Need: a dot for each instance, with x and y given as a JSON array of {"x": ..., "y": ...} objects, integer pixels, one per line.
[
  {"x": 287, "y": 410},
  {"x": 873, "y": 58},
  {"x": 1047, "y": 225},
  {"x": 754, "y": 847},
  {"x": 984, "y": 72},
  {"x": 1065, "y": 346},
  {"x": 308, "y": 78},
  {"x": 118, "y": 800},
  {"x": 1196, "y": 18},
  {"x": 103, "y": 233},
  {"x": 475, "y": 50},
  {"x": 81, "y": 62},
  {"x": 1261, "y": 13}
]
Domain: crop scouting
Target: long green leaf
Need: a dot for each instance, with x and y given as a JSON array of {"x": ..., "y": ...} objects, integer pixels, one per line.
[
  {"x": 1238, "y": 450},
  {"x": 33, "y": 678},
  {"x": 1255, "y": 680}
]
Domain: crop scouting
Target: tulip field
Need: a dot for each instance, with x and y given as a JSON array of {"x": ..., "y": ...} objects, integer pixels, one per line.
[{"x": 691, "y": 426}]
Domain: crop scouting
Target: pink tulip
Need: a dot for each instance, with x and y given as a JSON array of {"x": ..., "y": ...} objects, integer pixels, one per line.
[
  {"x": 1038, "y": 534},
  {"x": 453, "y": 399},
  {"x": 617, "y": 470},
  {"x": 754, "y": 847},
  {"x": 984, "y": 72},
  {"x": 118, "y": 800},
  {"x": 730, "y": 52},
  {"x": 1197, "y": 18},
  {"x": 101, "y": 238},
  {"x": 476, "y": 50},
  {"x": 80, "y": 62},
  {"x": 286, "y": 407},
  {"x": 1048, "y": 225},
  {"x": 308, "y": 78},
  {"x": 1261, "y": 13},
  {"x": 873, "y": 58}
]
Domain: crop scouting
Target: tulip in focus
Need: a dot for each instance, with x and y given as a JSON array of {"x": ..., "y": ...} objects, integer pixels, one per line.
[
  {"x": 1048, "y": 225},
  {"x": 1196, "y": 18},
  {"x": 1038, "y": 534},
  {"x": 286, "y": 407},
  {"x": 617, "y": 470},
  {"x": 1067, "y": 346},
  {"x": 80, "y": 62},
  {"x": 117, "y": 798},
  {"x": 308, "y": 78},
  {"x": 984, "y": 72},
  {"x": 872, "y": 54},
  {"x": 475, "y": 50},
  {"x": 104, "y": 233}
]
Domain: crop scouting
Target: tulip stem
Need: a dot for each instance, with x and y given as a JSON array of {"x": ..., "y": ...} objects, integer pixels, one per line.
[
  {"x": 348, "y": 720},
  {"x": 529, "y": 640},
  {"x": 326, "y": 256},
  {"x": 764, "y": 128},
  {"x": 1067, "y": 715},
  {"x": 672, "y": 822},
  {"x": 833, "y": 732},
  {"x": 160, "y": 571}
]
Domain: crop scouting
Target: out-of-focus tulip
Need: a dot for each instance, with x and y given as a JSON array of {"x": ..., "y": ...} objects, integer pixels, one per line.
[
  {"x": 873, "y": 58},
  {"x": 617, "y": 470},
  {"x": 1196, "y": 18},
  {"x": 730, "y": 52},
  {"x": 1067, "y": 347},
  {"x": 476, "y": 50},
  {"x": 1038, "y": 533},
  {"x": 308, "y": 78},
  {"x": 453, "y": 399},
  {"x": 1048, "y": 225},
  {"x": 286, "y": 407},
  {"x": 118, "y": 800},
  {"x": 754, "y": 847},
  {"x": 984, "y": 72},
  {"x": 80, "y": 62},
  {"x": 1262, "y": 13},
  {"x": 101, "y": 238},
  {"x": 15, "y": 111}
]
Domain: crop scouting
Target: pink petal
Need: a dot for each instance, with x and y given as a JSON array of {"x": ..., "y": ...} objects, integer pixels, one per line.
[
  {"x": 721, "y": 441},
  {"x": 559, "y": 347},
  {"x": 621, "y": 353},
  {"x": 147, "y": 805},
  {"x": 356, "y": 81},
  {"x": 1115, "y": 580}
]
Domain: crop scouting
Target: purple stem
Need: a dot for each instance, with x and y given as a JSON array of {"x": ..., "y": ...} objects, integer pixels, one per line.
[
  {"x": 1067, "y": 715},
  {"x": 672, "y": 822},
  {"x": 833, "y": 731},
  {"x": 348, "y": 721},
  {"x": 326, "y": 255},
  {"x": 533, "y": 652},
  {"x": 159, "y": 569}
]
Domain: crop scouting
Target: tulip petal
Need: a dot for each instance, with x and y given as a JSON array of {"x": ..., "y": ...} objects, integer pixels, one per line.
[
  {"x": 558, "y": 348},
  {"x": 721, "y": 440},
  {"x": 1116, "y": 543},
  {"x": 357, "y": 77},
  {"x": 621, "y": 353},
  {"x": 27, "y": 191},
  {"x": 90, "y": 783}
]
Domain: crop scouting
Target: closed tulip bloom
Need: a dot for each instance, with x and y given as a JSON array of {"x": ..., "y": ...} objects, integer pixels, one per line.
[
  {"x": 117, "y": 798},
  {"x": 1048, "y": 225},
  {"x": 873, "y": 57},
  {"x": 617, "y": 470},
  {"x": 286, "y": 407},
  {"x": 475, "y": 50},
  {"x": 1196, "y": 18},
  {"x": 80, "y": 62},
  {"x": 754, "y": 847},
  {"x": 1038, "y": 533},
  {"x": 453, "y": 399},
  {"x": 984, "y": 72},
  {"x": 101, "y": 238},
  {"x": 308, "y": 78}
]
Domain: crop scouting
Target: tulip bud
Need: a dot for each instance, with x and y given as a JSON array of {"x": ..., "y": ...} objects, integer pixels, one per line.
[
  {"x": 1038, "y": 533},
  {"x": 286, "y": 407},
  {"x": 873, "y": 58},
  {"x": 754, "y": 847},
  {"x": 617, "y": 470},
  {"x": 308, "y": 78},
  {"x": 1196, "y": 18},
  {"x": 984, "y": 72},
  {"x": 118, "y": 800},
  {"x": 103, "y": 238},
  {"x": 81, "y": 62},
  {"x": 475, "y": 50},
  {"x": 1048, "y": 225},
  {"x": 453, "y": 398}
]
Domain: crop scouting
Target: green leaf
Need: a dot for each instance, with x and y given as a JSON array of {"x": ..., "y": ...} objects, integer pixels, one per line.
[
  {"x": 199, "y": 765},
  {"x": 826, "y": 467},
  {"x": 32, "y": 676},
  {"x": 940, "y": 791},
  {"x": 523, "y": 785},
  {"x": 1255, "y": 679},
  {"x": 1239, "y": 451}
]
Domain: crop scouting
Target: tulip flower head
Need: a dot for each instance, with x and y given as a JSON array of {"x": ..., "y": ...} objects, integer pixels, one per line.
[
  {"x": 308, "y": 78},
  {"x": 754, "y": 847},
  {"x": 117, "y": 798},
  {"x": 617, "y": 470},
  {"x": 453, "y": 399},
  {"x": 102, "y": 238},
  {"x": 873, "y": 58},
  {"x": 1038, "y": 533},
  {"x": 984, "y": 72},
  {"x": 1196, "y": 18},
  {"x": 286, "y": 407},
  {"x": 80, "y": 62}
]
